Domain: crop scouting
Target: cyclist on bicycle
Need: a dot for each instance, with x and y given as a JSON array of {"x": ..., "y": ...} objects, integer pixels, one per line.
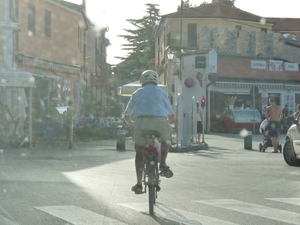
[{"x": 152, "y": 111}]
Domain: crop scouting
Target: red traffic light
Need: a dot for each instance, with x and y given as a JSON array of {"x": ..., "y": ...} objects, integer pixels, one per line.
[{"x": 203, "y": 102}]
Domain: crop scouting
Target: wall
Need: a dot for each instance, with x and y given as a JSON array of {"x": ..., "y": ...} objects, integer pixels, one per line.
[
  {"x": 63, "y": 46},
  {"x": 249, "y": 43}
]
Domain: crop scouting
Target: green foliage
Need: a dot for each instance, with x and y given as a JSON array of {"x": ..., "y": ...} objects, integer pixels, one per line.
[
  {"x": 226, "y": 2},
  {"x": 140, "y": 46},
  {"x": 185, "y": 5}
]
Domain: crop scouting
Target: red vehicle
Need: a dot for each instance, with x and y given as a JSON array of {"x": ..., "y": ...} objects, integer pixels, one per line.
[{"x": 238, "y": 119}]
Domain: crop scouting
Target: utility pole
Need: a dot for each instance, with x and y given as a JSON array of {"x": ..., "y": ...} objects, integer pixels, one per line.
[{"x": 181, "y": 9}]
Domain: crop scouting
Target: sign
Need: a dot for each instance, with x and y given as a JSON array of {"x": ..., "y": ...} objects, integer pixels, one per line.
[
  {"x": 291, "y": 66},
  {"x": 200, "y": 62},
  {"x": 259, "y": 65},
  {"x": 276, "y": 65},
  {"x": 99, "y": 80}
]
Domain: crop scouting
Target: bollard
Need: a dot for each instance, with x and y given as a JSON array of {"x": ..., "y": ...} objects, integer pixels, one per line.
[
  {"x": 121, "y": 134},
  {"x": 248, "y": 141}
]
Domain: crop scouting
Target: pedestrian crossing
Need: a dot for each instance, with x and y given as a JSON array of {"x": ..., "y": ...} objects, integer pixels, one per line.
[
  {"x": 255, "y": 210},
  {"x": 79, "y": 216}
]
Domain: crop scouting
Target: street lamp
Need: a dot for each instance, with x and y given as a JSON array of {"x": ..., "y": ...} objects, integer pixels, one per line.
[{"x": 170, "y": 55}]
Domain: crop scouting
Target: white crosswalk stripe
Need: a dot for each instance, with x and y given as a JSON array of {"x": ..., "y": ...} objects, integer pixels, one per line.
[
  {"x": 293, "y": 201},
  {"x": 176, "y": 215},
  {"x": 5, "y": 221},
  {"x": 78, "y": 216},
  {"x": 256, "y": 210}
]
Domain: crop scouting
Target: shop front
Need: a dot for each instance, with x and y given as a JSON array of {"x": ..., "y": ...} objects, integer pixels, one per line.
[
  {"x": 55, "y": 82},
  {"x": 222, "y": 93}
]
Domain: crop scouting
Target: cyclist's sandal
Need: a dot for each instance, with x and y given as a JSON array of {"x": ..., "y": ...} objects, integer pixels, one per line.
[
  {"x": 157, "y": 188},
  {"x": 165, "y": 171},
  {"x": 138, "y": 189}
]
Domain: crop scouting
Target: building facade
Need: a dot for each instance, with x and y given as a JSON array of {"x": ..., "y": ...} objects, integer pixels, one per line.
[
  {"x": 50, "y": 45},
  {"x": 249, "y": 53}
]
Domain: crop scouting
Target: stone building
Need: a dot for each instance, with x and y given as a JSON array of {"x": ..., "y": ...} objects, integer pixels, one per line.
[{"x": 249, "y": 53}]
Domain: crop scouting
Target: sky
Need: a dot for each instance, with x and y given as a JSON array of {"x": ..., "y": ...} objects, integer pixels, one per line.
[{"x": 114, "y": 13}]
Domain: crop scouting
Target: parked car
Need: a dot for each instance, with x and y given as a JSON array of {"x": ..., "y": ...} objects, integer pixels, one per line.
[
  {"x": 61, "y": 109},
  {"x": 291, "y": 148},
  {"x": 238, "y": 119}
]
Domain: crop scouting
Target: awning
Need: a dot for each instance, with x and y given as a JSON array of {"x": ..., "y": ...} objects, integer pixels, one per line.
[
  {"x": 128, "y": 89},
  {"x": 11, "y": 77}
]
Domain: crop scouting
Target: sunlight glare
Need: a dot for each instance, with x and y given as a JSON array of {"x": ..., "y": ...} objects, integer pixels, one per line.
[{"x": 244, "y": 133}]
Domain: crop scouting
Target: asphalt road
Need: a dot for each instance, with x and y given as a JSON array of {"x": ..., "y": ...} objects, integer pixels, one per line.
[{"x": 90, "y": 185}]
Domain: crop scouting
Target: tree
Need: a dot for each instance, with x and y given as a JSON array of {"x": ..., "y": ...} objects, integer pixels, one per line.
[
  {"x": 185, "y": 5},
  {"x": 140, "y": 45},
  {"x": 226, "y": 2}
]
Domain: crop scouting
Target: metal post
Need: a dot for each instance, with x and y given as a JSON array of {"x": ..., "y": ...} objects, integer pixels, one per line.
[
  {"x": 71, "y": 134},
  {"x": 30, "y": 118},
  {"x": 180, "y": 67},
  {"x": 253, "y": 93},
  {"x": 203, "y": 126}
]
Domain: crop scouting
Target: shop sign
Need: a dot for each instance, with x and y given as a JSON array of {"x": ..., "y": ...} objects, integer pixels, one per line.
[
  {"x": 99, "y": 80},
  {"x": 276, "y": 65},
  {"x": 258, "y": 65},
  {"x": 291, "y": 66}
]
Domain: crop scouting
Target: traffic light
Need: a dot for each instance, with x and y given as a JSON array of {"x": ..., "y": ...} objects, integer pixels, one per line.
[{"x": 202, "y": 102}]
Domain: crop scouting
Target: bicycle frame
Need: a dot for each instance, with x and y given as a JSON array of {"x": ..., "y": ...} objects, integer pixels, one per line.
[{"x": 151, "y": 173}]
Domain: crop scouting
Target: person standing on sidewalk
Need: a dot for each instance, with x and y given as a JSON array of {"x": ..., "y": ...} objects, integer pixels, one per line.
[
  {"x": 70, "y": 117},
  {"x": 199, "y": 122},
  {"x": 274, "y": 116}
]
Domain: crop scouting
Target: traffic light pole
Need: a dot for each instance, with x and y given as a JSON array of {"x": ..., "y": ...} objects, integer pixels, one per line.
[{"x": 202, "y": 130}]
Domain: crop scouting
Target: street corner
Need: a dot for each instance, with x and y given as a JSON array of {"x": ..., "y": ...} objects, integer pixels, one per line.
[{"x": 193, "y": 147}]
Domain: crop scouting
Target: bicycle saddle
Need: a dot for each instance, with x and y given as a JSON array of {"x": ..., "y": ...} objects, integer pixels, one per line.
[{"x": 147, "y": 133}]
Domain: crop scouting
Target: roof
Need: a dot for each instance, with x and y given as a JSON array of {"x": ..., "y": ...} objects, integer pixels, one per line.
[
  {"x": 285, "y": 24},
  {"x": 215, "y": 10},
  {"x": 293, "y": 42},
  {"x": 233, "y": 67}
]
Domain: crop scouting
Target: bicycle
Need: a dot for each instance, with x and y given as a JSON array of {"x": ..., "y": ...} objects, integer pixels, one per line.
[{"x": 150, "y": 171}]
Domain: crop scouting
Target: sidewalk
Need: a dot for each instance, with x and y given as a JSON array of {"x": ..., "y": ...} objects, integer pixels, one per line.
[{"x": 112, "y": 143}]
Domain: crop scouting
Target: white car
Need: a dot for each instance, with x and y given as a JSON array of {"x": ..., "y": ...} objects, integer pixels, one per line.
[
  {"x": 61, "y": 109},
  {"x": 291, "y": 148}
]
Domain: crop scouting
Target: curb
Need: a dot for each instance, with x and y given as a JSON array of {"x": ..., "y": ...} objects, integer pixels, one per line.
[{"x": 201, "y": 146}]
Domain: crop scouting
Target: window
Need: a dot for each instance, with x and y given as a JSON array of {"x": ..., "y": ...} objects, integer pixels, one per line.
[
  {"x": 12, "y": 10},
  {"x": 31, "y": 18},
  {"x": 192, "y": 35},
  {"x": 79, "y": 38},
  {"x": 264, "y": 30},
  {"x": 238, "y": 28},
  {"x": 169, "y": 38},
  {"x": 47, "y": 23}
]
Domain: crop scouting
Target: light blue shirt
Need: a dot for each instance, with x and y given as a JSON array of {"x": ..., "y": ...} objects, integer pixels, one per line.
[{"x": 149, "y": 100}]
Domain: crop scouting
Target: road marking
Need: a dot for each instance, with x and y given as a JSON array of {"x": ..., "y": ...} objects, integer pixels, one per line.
[
  {"x": 293, "y": 201},
  {"x": 256, "y": 210},
  {"x": 176, "y": 215},
  {"x": 78, "y": 216},
  {"x": 5, "y": 221}
]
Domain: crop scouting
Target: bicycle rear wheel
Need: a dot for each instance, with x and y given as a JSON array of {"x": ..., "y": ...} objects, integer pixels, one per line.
[{"x": 151, "y": 191}]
